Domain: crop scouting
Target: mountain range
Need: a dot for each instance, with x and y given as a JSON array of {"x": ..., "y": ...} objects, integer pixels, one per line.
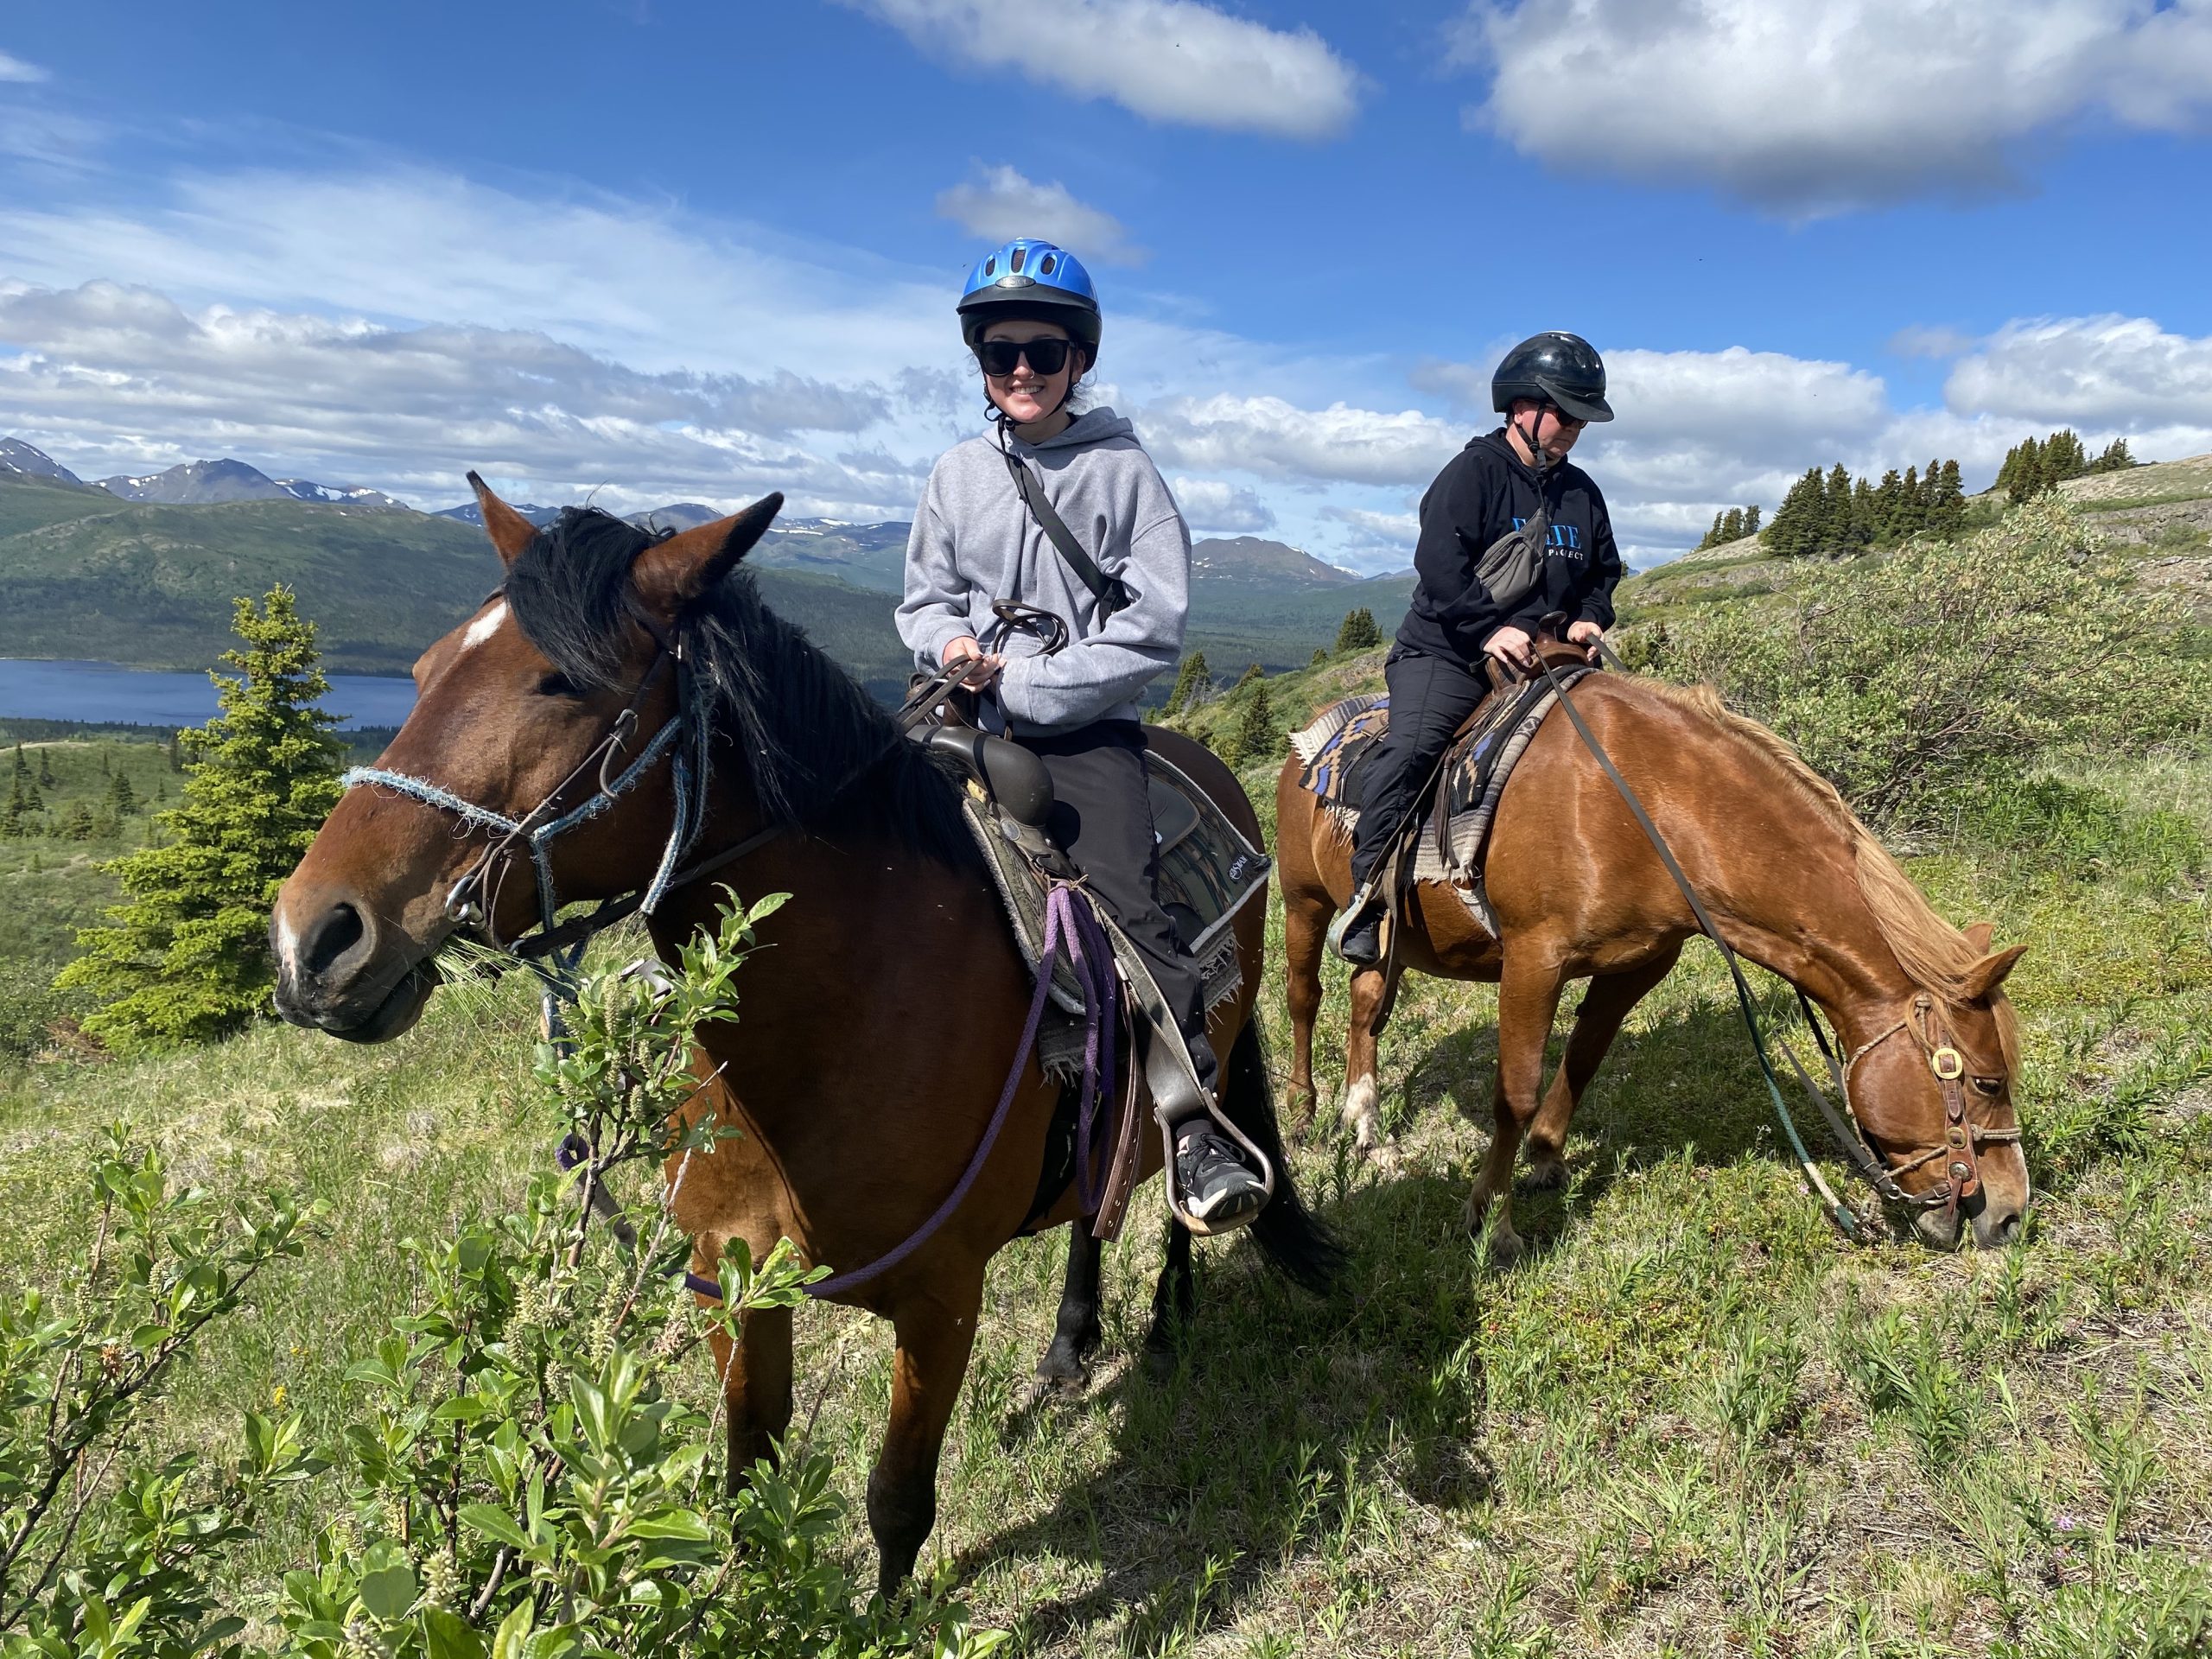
[{"x": 142, "y": 571}]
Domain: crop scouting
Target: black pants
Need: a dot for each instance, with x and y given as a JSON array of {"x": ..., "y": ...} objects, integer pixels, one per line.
[
  {"x": 1102, "y": 818},
  {"x": 1429, "y": 698}
]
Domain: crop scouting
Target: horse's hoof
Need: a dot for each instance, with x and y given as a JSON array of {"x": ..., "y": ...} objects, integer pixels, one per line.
[
  {"x": 1047, "y": 1386},
  {"x": 1160, "y": 1363},
  {"x": 1363, "y": 1113},
  {"x": 1545, "y": 1174},
  {"x": 1506, "y": 1249}
]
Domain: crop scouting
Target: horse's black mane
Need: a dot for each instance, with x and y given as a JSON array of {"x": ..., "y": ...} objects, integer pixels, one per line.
[{"x": 820, "y": 753}]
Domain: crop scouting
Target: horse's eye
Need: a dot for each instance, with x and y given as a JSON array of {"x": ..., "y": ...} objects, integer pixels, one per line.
[
  {"x": 1989, "y": 1085},
  {"x": 559, "y": 685}
]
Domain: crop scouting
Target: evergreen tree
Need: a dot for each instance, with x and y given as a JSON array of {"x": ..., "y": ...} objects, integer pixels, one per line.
[
  {"x": 1865, "y": 522},
  {"x": 1254, "y": 736},
  {"x": 12, "y": 824},
  {"x": 1711, "y": 536},
  {"x": 1251, "y": 676},
  {"x": 1191, "y": 684},
  {"x": 23, "y": 797},
  {"x": 2115, "y": 459},
  {"x": 121, "y": 799},
  {"x": 1357, "y": 632},
  {"x": 45, "y": 778},
  {"x": 77, "y": 826},
  {"x": 1732, "y": 527},
  {"x": 1320, "y": 655},
  {"x": 1798, "y": 521},
  {"x": 1911, "y": 506},
  {"x": 1836, "y": 521},
  {"x": 1751, "y": 520},
  {"x": 176, "y": 752},
  {"x": 186, "y": 957},
  {"x": 1949, "y": 508},
  {"x": 2064, "y": 457}
]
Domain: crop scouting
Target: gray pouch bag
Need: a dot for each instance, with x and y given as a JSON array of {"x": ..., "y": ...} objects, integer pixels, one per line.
[{"x": 1512, "y": 568}]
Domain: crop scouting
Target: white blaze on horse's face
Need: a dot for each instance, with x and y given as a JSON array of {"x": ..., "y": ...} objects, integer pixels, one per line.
[{"x": 485, "y": 627}]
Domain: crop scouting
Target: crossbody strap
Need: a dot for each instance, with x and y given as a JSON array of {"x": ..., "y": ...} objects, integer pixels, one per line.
[{"x": 1110, "y": 591}]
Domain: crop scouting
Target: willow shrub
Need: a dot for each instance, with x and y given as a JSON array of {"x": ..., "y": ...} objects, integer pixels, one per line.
[
  {"x": 522, "y": 1477},
  {"x": 1948, "y": 667}
]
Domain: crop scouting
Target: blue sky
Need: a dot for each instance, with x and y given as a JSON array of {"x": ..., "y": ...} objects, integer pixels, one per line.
[{"x": 696, "y": 251}]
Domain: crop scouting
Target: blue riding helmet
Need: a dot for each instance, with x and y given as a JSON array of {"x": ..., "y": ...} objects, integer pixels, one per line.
[{"x": 1031, "y": 279}]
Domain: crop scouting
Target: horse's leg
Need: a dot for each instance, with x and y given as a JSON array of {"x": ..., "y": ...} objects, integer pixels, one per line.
[
  {"x": 1604, "y": 1007},
  {"x": 1174, "y": 1299},
  {"x": 1363, "y": 1107},
  {"x": 1305, "y": 916},
  {"x": 1527, "y": 997},
  {"x": 935, "y": 1334},
  {"x": 756, "y": 1387},
  {"x": 1065, "y": 1366}
]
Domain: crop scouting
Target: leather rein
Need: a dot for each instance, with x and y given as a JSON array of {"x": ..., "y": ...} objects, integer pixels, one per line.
[{"x": 1924, "y": 1023}]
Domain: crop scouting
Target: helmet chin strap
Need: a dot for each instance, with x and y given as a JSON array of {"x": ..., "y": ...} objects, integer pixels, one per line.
[
  {"x": 1538, "y": 458},
  {"x": 1001, "y": 419}
]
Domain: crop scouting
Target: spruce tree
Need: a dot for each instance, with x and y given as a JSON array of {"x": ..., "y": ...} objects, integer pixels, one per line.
[
  {"x": 1865, "y": 517},
  {"x": 45, "y": 778},
  {"x": 1751, "y": 520},
  {"x": 1254, "y": 735},
  {"x": 1912, "y": 506},
  {"x": 1949, "y": 508},
  {"x": 2115, "y": 459},
  {"x": 121, "y": 799},
  {"x": 1836, "y": 524},
  {"x": 1798, "y": 521},
  {"x": 1732, "y": 526},
  {"x": 1192, "y": 686},
  {"x": 187, "y": 957},
  {"x": 77, "y": 826},
  {"x": 1357, "y": 632},
  {"x": 1711, "y": 536}
]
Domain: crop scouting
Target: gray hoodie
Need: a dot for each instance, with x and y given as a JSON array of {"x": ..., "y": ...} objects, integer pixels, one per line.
[{"x": 975, "y": 540}]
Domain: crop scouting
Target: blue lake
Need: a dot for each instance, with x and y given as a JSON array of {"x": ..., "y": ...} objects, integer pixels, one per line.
[{"x": 101, "y": 691}]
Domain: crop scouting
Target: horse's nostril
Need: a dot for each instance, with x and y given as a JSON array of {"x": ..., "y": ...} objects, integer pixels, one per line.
[{"x": 335, "y": 933}]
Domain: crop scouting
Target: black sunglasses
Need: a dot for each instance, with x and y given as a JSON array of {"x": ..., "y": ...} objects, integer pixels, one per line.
[{"x": 1046, "y": 356}]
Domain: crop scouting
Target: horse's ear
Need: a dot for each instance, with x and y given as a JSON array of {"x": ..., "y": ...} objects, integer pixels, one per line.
[
  {"x": 509, "y": 531},
  {"x": 670, "y": 574},
  {"x": 1988, "y": 974},
  {"x": 1978, "y": 935}
]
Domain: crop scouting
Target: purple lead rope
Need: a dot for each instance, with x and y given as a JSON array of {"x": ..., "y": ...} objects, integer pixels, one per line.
[{"x": 1070, "y": 927}]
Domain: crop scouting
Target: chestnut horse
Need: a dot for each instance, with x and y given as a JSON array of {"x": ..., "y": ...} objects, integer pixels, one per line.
[
  {"x": 1794, "y": 881},
  {"x": 876, "y": 1035}
]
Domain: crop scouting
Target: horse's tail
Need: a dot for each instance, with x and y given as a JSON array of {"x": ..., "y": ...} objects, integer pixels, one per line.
[{"x": 1286, "y": 1231}]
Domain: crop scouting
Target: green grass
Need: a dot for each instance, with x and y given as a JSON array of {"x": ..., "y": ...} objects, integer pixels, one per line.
[{"x": 1693, "y": 1422}]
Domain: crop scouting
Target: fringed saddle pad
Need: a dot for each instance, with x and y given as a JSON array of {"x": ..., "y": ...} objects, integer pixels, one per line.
[
  {"x": 1208, "y": 871},
  {"x": 1455, "y": 826}
]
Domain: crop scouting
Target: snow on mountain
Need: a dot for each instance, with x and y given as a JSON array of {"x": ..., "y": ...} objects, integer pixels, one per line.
[
  {"x": 17, "y": 456},
  {"x": 341, "y": 495}
]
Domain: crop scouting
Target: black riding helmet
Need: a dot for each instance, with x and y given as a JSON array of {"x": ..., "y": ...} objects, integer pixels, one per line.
[{"x": 1553, "y": 368}]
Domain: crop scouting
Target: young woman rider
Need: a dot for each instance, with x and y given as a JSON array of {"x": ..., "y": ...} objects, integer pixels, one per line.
[{"x": 1031, "y": 316}]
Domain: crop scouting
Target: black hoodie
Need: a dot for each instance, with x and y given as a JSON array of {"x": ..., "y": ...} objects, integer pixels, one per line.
[{"x": 1483, "y": 493}]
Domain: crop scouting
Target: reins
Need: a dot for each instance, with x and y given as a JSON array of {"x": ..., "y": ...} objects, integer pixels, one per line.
[{"x": 1961, "y": 1177}]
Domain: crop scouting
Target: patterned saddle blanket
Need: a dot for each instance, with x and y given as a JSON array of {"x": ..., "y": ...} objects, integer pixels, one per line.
[
  {"x": 1453, "y": 824},
  {"x": 1208, "y": 872}
]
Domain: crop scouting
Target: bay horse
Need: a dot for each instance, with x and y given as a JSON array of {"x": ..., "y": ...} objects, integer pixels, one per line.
[
  {"x": 876, "y": 1035},
  {"x": 1794, "y": 881}
]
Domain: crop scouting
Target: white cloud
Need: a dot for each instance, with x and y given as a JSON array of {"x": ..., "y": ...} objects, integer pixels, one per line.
[
  {"x": 13, "y": 68},
  {"x": 111, "y": 378},
  {"x": 1812, "y": 106},
  {"x": 1000, "y": 203},
  {"x": 1212, "y": 507},
  {"x": 1378, "y": 532},
  {"x": 1269, "y": 438},
  {"x": 1164, "y": 60},
  {"x": 2105, "y": 372}
]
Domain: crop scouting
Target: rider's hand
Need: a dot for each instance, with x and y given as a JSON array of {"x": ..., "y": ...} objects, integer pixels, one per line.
[
  {"x": 1586, "y": 633},
  {"x": 1512, "y": 647},
  {"x": 985, "y": 668}
]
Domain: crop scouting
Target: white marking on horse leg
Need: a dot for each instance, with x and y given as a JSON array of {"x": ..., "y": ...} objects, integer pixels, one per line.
[
  {"x": 484, "y": 626},
  {"x": 1362, "y": 1110}
]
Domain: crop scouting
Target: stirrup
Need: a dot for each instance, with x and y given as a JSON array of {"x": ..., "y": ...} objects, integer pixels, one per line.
[{"x": 1362, "y": 899}]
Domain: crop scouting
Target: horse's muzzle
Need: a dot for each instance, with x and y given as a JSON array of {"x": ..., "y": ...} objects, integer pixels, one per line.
[{"x": 338, "y": 974}]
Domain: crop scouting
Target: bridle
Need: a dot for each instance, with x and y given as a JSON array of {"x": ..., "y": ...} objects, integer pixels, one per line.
[
  {"x": 1962, "y": 1136},
  {"x": 683, "y": 738}
]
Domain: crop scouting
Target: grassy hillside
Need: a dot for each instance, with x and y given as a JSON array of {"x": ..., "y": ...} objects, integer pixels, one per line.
[{"x": 1693, "y": 1423}]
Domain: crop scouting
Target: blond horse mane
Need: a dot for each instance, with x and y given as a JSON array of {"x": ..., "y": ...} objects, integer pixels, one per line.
[{"x": 1935, "y": 956}]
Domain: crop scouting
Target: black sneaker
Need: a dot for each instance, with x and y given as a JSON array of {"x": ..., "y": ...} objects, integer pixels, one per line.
[
  {"x": 1211, "y": 1179},
  {"x": 1357, "y": 935}
]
